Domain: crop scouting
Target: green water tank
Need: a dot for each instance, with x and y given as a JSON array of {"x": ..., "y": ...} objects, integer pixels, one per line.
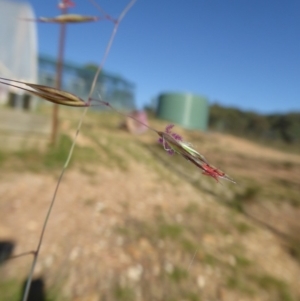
[{"x": 188, "y": 110}]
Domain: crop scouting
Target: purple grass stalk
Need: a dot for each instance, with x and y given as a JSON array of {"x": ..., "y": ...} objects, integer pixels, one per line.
[{"x": 36, "y": 253}]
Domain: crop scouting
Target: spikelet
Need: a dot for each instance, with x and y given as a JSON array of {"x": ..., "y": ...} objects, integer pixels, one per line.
[{"x": 48, "y": 93}]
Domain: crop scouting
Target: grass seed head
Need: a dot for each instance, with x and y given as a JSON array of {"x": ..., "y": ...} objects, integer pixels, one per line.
[
  {"x": 69, "y": 18},
  {"x": 173, "y": 143}
]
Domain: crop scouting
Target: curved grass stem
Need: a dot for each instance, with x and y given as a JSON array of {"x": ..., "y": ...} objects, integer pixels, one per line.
[{"x": 36, "y": 253}]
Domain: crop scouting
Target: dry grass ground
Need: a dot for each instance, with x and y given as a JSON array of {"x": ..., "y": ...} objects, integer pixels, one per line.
[{"x": 132, "y": 223}]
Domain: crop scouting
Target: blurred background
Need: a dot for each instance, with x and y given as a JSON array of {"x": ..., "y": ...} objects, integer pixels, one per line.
[{"x": 131, "y": 222}]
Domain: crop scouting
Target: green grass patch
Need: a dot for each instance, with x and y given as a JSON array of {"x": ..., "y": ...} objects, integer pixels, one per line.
[
  {"x": 243, "y": 228},
  {"x": 51, "y": 158},
  {"x": 242, "y": 261},
  {"x": 122, "y": 230},
  {"x": 273, "y": 285},
  {"x": 10, "y": 290},
  {"x": 124, "y": 293},
  {"x": 188, "y": 245},
  {"x": 192, "y": 296},
  {"x": 111, "y": 150},
  {"x": 210, "y": 259},
  {"x": 250, "y": 193},
  {"x": 178, "y": 274},
  {"x": 56, "y": 156},
  {"x": 191, "y": 208},
  {"x": 238, "y": 283},
  {"x": 172, "y": 231},
  {"x": 294, "y": 248},
  {"x": 2, "y": 158}
]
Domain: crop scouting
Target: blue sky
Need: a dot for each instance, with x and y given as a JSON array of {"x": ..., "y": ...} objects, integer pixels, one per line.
[{"x": 241, "y": 53}]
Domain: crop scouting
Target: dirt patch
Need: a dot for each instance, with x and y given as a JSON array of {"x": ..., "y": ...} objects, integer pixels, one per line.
[{"x": 153, "y": 229}]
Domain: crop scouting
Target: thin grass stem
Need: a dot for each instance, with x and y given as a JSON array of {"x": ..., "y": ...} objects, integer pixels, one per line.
[{"x": 36, "y": 253}]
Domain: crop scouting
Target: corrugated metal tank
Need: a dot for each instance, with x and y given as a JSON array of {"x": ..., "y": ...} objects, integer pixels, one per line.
[{"x": 188, "y": 110}]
